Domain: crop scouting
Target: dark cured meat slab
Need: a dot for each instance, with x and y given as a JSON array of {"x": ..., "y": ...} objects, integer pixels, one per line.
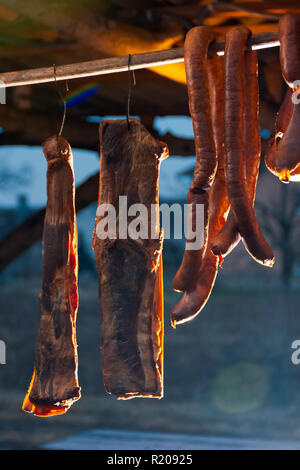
[
  {"x": 130, "y": 271},
  {"x": 54, "y": 385}
]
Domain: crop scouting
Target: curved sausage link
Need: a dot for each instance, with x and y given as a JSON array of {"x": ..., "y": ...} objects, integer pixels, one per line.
[
  {"x": 194, "y": 299},
  {"x": 289, "y": 36},
  {"x": 283, "y": 156},
  {"x": 196, "y": 47},
  {"x": 235, "y": 164},
  {"x": 229, "y": 236},
  {"x": 281, "y": 124}
]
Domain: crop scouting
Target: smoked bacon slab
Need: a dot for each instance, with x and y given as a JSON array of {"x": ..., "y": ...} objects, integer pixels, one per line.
[
  {"x": 54, "y": 385},
  {"x": 130, "y": 270}
]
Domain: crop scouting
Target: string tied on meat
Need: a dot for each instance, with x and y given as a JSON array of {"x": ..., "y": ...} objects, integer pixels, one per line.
[
  {"x": 62, "y": 99},
  {"x": 131, "y": 80}
]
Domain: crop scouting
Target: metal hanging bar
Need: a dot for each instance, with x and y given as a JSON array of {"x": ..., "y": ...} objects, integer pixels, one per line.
[{"x": 118, "y": 64}]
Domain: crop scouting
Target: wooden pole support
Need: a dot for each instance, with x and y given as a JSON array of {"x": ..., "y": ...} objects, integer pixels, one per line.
[{"x": 118, "y": 64}]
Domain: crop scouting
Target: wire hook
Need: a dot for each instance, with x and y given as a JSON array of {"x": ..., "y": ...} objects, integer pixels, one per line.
[
  {"x": 62, "y": 99},
  {"x": 130, "y": 72}
]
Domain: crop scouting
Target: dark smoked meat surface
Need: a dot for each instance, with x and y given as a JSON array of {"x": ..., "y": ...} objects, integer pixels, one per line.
[
  {"x": 54, "y": 385},
  {"x": 130, "y": 270}
]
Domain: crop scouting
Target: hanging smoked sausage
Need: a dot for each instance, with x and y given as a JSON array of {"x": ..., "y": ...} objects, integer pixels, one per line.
[
  {"x": 194, "y": 299},
  {"x": 235, "y": 163},
  {"x": 196, "y": 46},
  {"x": 283, "y": 156},
  {"x": 229, "y": 236}
]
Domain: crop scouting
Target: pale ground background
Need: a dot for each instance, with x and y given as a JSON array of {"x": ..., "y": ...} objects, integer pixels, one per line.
[{"x": 226, "y": 373}]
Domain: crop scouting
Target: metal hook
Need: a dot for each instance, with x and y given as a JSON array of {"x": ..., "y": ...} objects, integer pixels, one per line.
[
  {"x": 129, "y": 89},
  {"x": 61, "y": 98}
]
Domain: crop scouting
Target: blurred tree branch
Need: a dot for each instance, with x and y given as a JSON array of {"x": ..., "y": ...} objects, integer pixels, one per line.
[
  {"x": 30, "y": 231},
  {"x": 281, "y": 222}
]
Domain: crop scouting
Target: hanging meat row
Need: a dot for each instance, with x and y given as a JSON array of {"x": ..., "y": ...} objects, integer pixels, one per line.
[{"x": 223, "y": 99}]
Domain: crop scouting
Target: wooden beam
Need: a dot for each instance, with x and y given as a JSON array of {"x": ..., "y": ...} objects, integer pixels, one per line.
[
  {"x": 91, "y": 68},
  {"x": 176, "y": 145},
  {"x": 264, "y": 9},
  {"x": 18, "y": 128},
  {"x": 30, "y": 231},
  {"x": 82, "y": 22},
  {"x": 118, "y": 64},
  {"x": 32, "y": 128}
]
